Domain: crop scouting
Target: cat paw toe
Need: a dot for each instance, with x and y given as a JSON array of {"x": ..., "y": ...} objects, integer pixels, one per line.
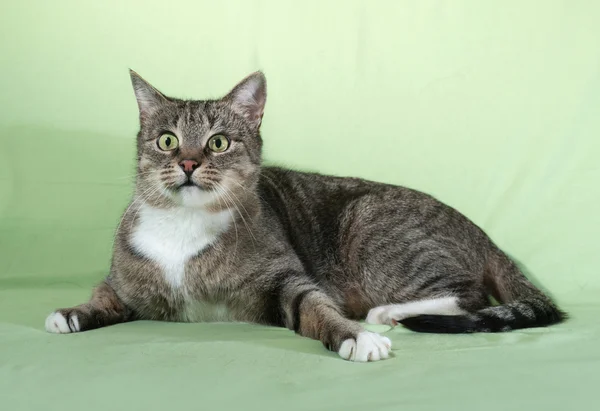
[
  {"x": 367, "y": 346},
  {"x": 60, "y": 324}
]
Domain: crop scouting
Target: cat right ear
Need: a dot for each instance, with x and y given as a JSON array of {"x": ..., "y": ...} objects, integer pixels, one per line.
[
  {"x": 248, "y": 98},
  {"x": 148, "y": 98}
]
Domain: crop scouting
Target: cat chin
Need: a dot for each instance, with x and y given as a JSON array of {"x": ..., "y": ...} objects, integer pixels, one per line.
[{"x": 193, "y": 196}]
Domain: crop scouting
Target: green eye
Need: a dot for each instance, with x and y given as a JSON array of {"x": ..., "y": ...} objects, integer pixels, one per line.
[
  {"x": 218, "y": 143},
  {"x": 167, "y": 142}
]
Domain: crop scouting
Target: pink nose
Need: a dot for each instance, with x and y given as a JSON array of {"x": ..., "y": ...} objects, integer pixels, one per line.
[{"x": 188, "y": 166}]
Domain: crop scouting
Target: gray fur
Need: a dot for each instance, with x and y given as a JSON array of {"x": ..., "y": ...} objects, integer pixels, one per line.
[{"x": 309, "y": 252}]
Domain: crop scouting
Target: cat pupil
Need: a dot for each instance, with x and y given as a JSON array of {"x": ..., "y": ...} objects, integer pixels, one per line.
[
  {"x": 218, "y": 143},
  {"x": 168, "y": 141}
]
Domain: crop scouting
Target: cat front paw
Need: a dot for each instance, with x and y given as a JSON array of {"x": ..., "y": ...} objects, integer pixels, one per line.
[
  {"x": 367, "y": 346},
  {"x": 63, "y": 322}
]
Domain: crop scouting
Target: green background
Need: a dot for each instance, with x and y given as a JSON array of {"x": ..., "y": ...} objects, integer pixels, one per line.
[{"x": 494, "y": 107}]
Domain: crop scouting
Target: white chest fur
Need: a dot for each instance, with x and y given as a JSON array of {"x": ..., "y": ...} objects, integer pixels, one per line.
[{"x": 170, "y": 237}]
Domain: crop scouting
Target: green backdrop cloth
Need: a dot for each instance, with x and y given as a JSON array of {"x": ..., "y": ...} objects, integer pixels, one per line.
[{"x": 493, "y": 108}]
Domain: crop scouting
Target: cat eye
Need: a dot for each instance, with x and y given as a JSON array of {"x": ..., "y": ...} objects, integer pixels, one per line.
[
  {"x": 167, "y": 142},
  {"x": 218, "y": 143}
]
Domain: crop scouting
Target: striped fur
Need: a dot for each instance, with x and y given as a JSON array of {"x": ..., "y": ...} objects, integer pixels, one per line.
[
  {"x": 239, "y": 241},
  {"x": 523, "y": 305}
]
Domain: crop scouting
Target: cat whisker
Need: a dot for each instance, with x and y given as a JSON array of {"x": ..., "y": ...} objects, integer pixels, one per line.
[
  {"x": 225, "y": 193},
  {"x": 144, "y": 173},
  {"x": 158, "y": 187},
  {"x": 239, "y": 202},
  {"x": 232, "y": 218},
  {"x": 233, "y": 200},
  {"x": 137, "y": 198},
  {"x": 208, "y": 178},
  {"x": 243, "y": 188}
]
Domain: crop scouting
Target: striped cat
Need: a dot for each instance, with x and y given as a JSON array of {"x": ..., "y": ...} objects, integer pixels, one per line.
[{"x": 212, "y": 235}]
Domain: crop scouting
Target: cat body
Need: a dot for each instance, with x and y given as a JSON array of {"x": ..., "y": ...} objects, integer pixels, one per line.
[{"x": 212, "y": 235}]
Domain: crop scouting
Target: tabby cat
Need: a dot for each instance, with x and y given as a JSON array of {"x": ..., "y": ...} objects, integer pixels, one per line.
[{"x": 212, "y": 235}]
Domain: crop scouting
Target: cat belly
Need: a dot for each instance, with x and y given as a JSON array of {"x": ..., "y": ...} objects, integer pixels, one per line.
[
  {"x": 195, "y": 311},
  {"x": 191, "y": 308}
]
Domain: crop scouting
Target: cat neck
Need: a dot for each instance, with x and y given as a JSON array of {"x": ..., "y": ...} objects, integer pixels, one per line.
[{"x": 171, "y": 236}]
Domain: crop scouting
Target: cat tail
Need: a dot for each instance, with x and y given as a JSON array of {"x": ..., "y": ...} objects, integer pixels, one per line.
[{"x": 522, "y": 304}]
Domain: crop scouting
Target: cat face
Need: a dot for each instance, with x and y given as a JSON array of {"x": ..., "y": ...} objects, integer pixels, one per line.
[{"x": 199, "y": 153}]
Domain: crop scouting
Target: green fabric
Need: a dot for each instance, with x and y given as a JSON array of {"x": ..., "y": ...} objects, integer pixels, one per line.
[
  {"x": 495, "y": 109},
  {"x": 166, "y": 366}
]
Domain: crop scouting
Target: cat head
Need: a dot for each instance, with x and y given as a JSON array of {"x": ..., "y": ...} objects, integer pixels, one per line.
[{"x": 198, "y": 153}]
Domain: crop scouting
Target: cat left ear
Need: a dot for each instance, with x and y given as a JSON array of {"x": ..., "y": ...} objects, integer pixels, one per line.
[
  {"x": 148, "y": 98},
  {"x": 248, "y": 98}
]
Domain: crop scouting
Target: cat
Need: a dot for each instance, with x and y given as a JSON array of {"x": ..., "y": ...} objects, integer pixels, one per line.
[{"x": 212, "y": 235}]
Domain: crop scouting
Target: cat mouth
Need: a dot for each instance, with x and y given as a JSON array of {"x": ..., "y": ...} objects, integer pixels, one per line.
[{"x": 189, "y": 183}]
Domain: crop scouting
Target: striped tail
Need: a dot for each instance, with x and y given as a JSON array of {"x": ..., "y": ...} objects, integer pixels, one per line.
[{"x": 522, "y": 305}]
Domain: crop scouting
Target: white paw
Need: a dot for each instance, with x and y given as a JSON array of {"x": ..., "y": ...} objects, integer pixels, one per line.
[
  {"x": 367, "y": 346},
  {"x": 394, "y": 313},
  {"x": 57, "y": 323},
  {"x": 382, "y": 315}
]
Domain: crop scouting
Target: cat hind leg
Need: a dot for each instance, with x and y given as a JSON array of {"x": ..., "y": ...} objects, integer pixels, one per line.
[{"x": 394, "y": 313}]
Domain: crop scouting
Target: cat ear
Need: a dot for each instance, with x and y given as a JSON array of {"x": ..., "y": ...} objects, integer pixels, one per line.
[
  {"x": 248, "y": 98},
  {"x": 148, "y": 98}
]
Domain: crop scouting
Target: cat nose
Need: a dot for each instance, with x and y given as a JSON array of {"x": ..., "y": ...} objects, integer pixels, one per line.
[{"x": 188, "y": 166}]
